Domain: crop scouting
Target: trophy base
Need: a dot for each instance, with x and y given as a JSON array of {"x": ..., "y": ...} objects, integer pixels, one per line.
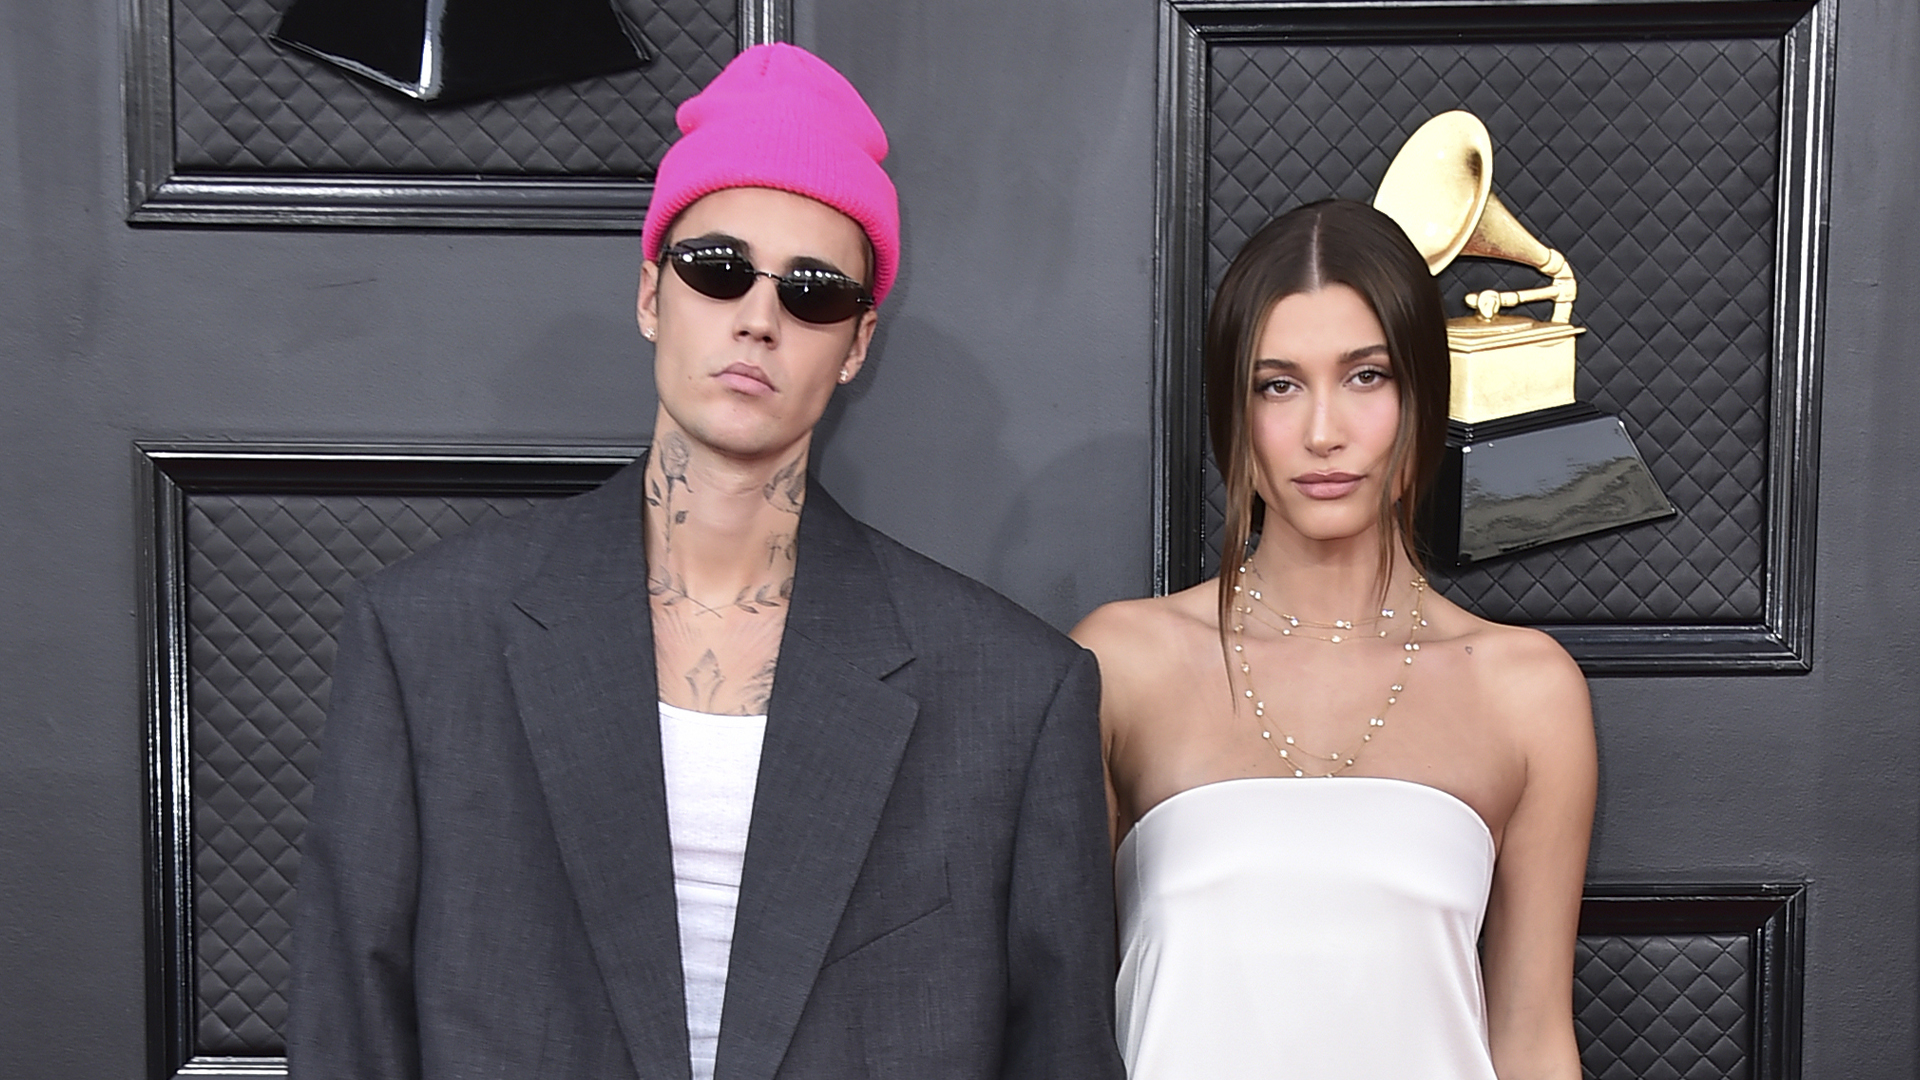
[
  {"x": 1537, "y": 478},
  {"x": 481, "y": 48},
  {"x": 1508, "y": 365}
]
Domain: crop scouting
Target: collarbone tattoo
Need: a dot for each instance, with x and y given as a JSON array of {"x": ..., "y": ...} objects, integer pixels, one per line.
[{"x": 707, "y": 683}]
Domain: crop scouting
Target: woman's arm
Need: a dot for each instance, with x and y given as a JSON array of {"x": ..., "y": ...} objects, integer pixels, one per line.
[
  {"x": 1534, "y": 910},
  {"x": 1116, "y": 635}
]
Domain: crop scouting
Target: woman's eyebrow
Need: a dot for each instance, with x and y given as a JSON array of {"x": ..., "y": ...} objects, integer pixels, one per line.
[{"x": 1364, "y": 352}]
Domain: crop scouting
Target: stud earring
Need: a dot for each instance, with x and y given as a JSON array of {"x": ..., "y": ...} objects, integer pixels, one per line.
[
  {"x": 845, "y": 375},
  {"x": 647, "y": 332}
]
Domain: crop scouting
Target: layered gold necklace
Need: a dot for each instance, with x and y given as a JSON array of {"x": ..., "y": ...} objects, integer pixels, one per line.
[
  {"x": 1336, "y": 632},
  {"x": 1299, "y": 758}
]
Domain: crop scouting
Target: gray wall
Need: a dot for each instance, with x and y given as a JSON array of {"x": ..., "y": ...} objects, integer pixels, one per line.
[{"x": 1002, "y": 429}]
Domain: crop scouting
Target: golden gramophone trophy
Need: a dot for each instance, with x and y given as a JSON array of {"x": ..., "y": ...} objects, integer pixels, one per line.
[{"x": 1526, "y": 463}]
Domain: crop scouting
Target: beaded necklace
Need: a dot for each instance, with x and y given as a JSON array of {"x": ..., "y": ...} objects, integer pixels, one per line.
[
  {"x": 1298, "y": 757},
  {"x": 1337, "y": 631}
]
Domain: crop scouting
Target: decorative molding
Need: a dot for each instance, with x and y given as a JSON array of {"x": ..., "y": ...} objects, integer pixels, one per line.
[
  {"x": 160, "y": 193},
  {"x": 166, "y": 476},
  {"x": 1772, "y": 917},
  {"x": 1782, "y": 639},
  {"x": 765, "y": 21}
]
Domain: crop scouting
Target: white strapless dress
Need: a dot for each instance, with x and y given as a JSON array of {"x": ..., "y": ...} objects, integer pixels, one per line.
[{"x": 1304, "y": 928}]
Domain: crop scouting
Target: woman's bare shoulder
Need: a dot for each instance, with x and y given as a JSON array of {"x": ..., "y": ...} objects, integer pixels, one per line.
[
  {"x": 1143, "y": 636},
  {"x": 1125, "y": 623},
  {"x": 1529, "y": 679}
]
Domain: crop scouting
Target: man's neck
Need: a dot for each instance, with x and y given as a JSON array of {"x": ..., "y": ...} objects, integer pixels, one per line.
[{"x": 720, "y": 533}]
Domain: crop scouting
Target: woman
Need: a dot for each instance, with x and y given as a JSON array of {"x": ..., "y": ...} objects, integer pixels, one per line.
[{"x": 1273, "y": 922}]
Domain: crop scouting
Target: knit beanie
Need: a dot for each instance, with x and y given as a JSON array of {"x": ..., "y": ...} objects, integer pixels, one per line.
[{"x": 780, "y": 117}]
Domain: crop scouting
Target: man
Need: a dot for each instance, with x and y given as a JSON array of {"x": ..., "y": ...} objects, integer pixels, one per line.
[{"x": 695, "y": 775}]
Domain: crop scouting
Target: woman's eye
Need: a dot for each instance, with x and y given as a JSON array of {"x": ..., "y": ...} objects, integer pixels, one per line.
[
  {"x": 1275, "y": 386},
  {"x": 1370, "y": 376}
]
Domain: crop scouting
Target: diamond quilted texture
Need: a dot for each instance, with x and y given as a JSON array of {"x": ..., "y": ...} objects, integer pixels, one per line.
[
  {"x": 1652, "y": 165},
  {"x": 244, "y": 105},
  {"x": 1666, "y": 1007},
  {"x": 264, "y": 578}
]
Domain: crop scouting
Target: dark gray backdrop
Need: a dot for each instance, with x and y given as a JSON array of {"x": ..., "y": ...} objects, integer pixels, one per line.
[{"x": 1002, "y": 428}]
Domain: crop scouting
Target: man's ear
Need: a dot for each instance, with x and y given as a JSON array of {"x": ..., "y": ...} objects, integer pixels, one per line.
[
  {"x": 857, "y": 349},
  {"x": 647, "y": 308}
]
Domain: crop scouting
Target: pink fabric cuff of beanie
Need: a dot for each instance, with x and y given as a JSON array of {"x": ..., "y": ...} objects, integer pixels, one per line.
[{"x": 780, "y": 117}]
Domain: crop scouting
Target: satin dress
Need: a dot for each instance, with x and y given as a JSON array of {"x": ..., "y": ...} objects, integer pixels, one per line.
[{"x": 1322, "y": 929}]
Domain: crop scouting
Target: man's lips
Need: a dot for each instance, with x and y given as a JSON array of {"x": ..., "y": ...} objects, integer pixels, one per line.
[
  {"x": 1326, "y": 485},
  {"x": 746, "y": 378}
]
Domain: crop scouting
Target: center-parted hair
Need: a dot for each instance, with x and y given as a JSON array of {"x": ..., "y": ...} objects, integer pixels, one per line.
[{"x": 1306, "y": 249}]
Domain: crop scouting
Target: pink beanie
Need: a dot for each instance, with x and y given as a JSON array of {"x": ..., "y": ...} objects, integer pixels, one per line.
[{"x": 779, "y": 117}]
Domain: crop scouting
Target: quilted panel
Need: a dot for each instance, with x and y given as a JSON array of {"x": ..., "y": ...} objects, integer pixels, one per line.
[
  {"x": 1652, "y": 165},
  {"x": 244, "y": 105},
  {"x": 1666, "y": 1007},
  {"x": 264, "y": 578}
]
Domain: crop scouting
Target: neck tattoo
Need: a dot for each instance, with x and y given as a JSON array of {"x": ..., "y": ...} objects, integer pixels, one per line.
[
  {"x": 785, "y": 491},
  {"x": 1297, "y": 757}
]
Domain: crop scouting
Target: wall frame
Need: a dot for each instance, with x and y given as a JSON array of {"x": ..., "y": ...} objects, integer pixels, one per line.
[
  {"x": 225, "y": 129},
  {"x": 1763, "y": 622},
  {"x": 1719, "y": 968},
  {"x": 243, "y": 550}
]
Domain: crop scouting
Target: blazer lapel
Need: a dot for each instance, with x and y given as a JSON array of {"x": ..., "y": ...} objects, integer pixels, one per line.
[
  {"x": 581, "y": 663},
  {"x": 835, "y": 735}
]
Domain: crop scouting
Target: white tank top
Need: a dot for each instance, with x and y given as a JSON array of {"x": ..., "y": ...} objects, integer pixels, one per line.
[
  {"x": 712, "y": 763},
  {"x": 1311, "y": 928}
]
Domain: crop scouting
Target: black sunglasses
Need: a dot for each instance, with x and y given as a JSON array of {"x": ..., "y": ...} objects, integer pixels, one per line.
[{"x": 809, "y": 294}]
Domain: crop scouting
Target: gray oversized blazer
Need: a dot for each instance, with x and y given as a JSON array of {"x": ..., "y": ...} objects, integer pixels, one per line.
[{"x": 487, "y": 889}]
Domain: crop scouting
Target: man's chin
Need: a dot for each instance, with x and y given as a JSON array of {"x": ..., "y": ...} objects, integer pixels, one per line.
[{"x": 752, "y": 448}]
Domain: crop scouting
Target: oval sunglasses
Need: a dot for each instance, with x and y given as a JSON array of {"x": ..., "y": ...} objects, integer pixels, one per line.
[{"x": 809, "y": 294}]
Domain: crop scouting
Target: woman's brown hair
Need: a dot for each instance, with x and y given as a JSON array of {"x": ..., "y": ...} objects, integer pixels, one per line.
[{"x": 1335, "y": 242}]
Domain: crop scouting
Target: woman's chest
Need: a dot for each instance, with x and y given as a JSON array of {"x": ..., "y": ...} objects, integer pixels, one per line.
[{"x": 1437, "y": 742}]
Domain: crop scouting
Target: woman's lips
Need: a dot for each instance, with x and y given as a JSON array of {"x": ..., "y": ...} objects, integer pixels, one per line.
[
  {"x": 1329, "y": 485},
  {"x": 746, "y": 378}
]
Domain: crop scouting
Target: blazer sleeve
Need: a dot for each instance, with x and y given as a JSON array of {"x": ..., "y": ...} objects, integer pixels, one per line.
[
  {"x": 1060, "y": 929},
  {"x": 351, "y": 1005}
]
